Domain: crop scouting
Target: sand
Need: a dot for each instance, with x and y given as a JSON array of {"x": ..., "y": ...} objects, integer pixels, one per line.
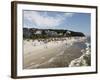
[{"x": 52, "y": 54}]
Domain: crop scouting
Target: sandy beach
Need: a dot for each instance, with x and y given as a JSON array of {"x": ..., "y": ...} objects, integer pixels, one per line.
[{"x": 52, "y": 54}]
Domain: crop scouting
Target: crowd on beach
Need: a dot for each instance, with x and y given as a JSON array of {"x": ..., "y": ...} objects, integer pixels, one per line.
[
  {"x": 46, "y": 42},
  {"x": 59, "y": 46}
]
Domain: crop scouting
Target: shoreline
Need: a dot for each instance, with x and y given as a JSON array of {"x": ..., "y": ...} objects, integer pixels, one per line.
[{"x": 51, "y": 54}]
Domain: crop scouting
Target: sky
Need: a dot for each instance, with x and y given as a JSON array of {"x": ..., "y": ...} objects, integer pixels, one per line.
[{"x": 80, "y": 22}]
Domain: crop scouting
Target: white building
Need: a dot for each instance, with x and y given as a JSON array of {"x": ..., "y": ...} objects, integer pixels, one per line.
[{"x": 38, "y": 32}]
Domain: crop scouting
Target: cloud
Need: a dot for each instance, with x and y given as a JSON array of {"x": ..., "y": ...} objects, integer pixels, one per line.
[
  {"x": 44, "y": 20},
  {"x": 69, "y": 14}
]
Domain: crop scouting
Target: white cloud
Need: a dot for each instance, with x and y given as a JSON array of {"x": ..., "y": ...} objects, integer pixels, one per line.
[
  {"x": 45, "y": 21},
  {"x": 69, "y": 14}
]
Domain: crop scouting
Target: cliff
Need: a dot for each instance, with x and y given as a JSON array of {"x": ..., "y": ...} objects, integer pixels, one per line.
[{"x": 35, "y": 33}]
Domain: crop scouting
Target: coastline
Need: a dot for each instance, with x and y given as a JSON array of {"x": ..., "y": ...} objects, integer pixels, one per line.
[{"x": 53, "y": 54}]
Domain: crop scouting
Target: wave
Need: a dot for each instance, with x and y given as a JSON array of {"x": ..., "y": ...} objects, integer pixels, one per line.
[{"x": 84, "y": 60}]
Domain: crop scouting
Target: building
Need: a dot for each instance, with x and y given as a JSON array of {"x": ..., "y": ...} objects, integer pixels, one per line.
[
  {"x": 51, "y": 33},
  {"x": 38, "y": 32}
]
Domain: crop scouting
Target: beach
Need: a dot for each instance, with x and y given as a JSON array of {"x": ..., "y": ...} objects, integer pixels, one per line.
[{"x": 37, "y": 54}]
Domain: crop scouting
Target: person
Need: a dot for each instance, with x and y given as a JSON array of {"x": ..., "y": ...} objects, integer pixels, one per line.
[
  {"x": 45, "y": 43},
  {"x": 33, "y": 42}
]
